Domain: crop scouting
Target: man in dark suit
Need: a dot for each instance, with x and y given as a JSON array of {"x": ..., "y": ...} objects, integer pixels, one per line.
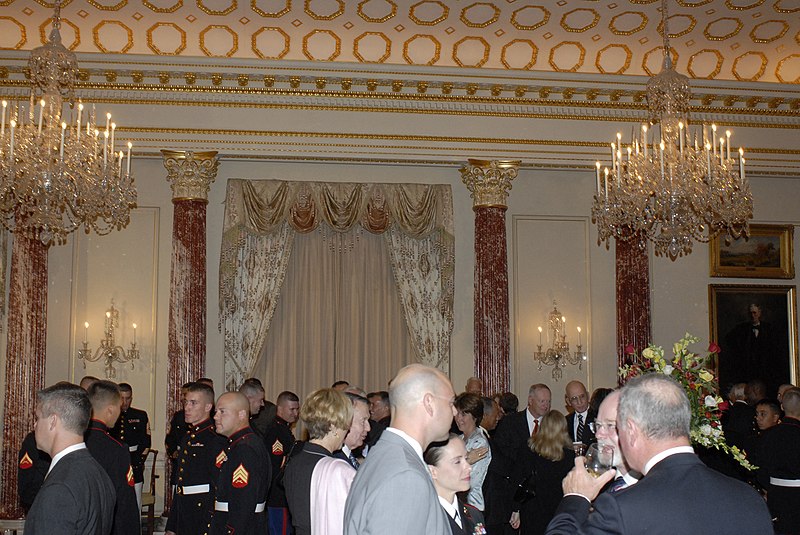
[
  {"x": 112, "y": 455},
  {"x": 77, "y": 496},
  {"x": 262, "y": 412},
  {"x": 515, "y": 429},
  {"x": 678, "y": 493},
  {"x": 359, "y": 428},
  {"x": 580, "y": 419},
  {"x": 379, "y": 414},
  {"x": 393, "y": 493}
]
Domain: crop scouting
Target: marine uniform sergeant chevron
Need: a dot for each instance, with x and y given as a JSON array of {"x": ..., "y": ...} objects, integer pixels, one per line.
[{"x": 245, "y": 473}]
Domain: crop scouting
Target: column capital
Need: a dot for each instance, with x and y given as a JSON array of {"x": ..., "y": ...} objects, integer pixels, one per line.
[
  {"x": 489, "y": 181},
  {"x": 190, "y": 174}
]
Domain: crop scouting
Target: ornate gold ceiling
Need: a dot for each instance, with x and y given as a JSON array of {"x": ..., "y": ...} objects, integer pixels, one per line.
[{"x": 745, "y": 40}]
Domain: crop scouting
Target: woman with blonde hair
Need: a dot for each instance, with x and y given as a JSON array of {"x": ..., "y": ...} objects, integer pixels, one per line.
[
  {"x": 316, "y": 483},
  {"x": 542, "y": 464}
]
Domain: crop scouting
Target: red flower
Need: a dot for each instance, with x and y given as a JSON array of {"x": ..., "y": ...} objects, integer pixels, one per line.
[
  {"x": 713, "y": 348},
  {"x": 629, "y": 349},
  {"x": 714, "y": 424}
]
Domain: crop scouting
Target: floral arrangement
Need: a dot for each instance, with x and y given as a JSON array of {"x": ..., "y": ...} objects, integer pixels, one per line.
[{"x": 691, "y": 371}]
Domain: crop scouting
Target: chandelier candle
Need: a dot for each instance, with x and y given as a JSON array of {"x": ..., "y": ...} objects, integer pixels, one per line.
[{"x": 52, "y": 179}]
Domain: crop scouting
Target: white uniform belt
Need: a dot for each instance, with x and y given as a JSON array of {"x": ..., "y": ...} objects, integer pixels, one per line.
[
  {"x": 223, "y": 506},
  {"x": 194, "y": 489},
  {"x": 778, "y": 482},
  {"x": 133, "y": 448}
]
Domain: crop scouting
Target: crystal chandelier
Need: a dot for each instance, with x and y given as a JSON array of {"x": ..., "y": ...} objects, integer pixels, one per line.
[
  {"x": 58, "y": 171},
  {"x": 685, "y": 187},
  {"x": 558, "y": 354},
  {"x": 109, "y": 351}
]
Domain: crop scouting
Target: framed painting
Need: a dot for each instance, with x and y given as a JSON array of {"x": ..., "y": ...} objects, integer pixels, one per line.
[
  {"x": 765, "y": 254},
  {"x": 756, "y": 329}
]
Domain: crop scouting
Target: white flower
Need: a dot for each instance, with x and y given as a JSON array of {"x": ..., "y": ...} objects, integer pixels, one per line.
[
  {"x": 668, "y": 369},
  {"x": 711, "y": 401},
  {"x": 706, "y": 429}
]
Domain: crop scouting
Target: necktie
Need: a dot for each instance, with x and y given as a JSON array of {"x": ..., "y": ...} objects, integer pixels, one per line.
[
  {"x": 457, "y": 518},
  {"x": 354, "y": 461},
  {"x": 617, "y": 484},
  {"x": 581, "y": 427},
  {"x": 535, "y": 427}
]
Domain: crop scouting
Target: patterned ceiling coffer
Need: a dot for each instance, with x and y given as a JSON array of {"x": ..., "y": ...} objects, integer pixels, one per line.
[{"x": 753, "y": 40}]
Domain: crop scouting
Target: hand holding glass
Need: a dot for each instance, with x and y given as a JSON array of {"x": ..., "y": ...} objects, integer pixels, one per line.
[{"x": 599, "y": 459}]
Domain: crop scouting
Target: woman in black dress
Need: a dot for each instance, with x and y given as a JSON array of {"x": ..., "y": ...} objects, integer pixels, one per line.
[{"x": 542, "y": 464}]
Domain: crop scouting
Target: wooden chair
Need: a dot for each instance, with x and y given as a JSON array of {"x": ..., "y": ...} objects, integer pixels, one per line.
[{"x": 149, "y": 495}]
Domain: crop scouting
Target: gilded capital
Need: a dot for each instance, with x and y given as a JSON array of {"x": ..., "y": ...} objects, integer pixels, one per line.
[
  {"x": 488, "y": 181},
  {"x": 190, "y": 174}
]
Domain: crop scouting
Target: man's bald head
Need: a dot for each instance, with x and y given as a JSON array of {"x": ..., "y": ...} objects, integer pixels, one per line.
[
  {"x": 791, "y": 403},
  {"x": 421, "y": 400},
  {"x": 233, "y": 413},
  {"x": 412, "y": 383}
]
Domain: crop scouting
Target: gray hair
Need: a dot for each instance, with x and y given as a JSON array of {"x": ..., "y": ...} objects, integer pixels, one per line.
[
  {"x": 250, "y": 388},
  {"x": 657, "y": 404},
  {"x": 69, "y": 402}
]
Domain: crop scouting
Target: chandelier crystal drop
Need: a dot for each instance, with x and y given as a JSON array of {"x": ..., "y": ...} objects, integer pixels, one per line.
[
  {"x": 58, "y": 168},
  {"x": 680, "y": 188}
]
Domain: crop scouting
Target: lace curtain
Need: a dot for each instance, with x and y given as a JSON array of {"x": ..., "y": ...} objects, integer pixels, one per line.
[{"x": 261, "y": 217}]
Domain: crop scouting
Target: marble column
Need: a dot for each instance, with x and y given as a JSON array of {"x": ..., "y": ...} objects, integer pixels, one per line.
[
  {"x": 488, "y": 183},
  {"x": 25, "y": 357},
  {"x": 633, "y": 296},
  {"x": 190, "y": 175}
]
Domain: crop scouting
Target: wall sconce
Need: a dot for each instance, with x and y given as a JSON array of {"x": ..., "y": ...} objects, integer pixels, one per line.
[
  {"x": 558, "y": 354},
  {"x": 109, "y": 350}
]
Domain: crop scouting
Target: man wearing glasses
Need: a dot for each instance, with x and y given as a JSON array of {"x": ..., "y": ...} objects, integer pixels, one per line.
[{"x": 580, "y": 420}]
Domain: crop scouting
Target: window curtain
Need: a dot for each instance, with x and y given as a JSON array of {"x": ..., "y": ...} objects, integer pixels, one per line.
[{"x": 263, "y": 219}]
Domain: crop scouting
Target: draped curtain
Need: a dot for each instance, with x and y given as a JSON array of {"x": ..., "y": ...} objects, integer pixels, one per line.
[{"x": 261, "y": 220}]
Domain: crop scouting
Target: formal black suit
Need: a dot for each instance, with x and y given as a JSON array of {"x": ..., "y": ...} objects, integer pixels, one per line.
[
  {"x": 497, "y": 493},
  {"x": 588, "y": 435},
  {"x": 77, "y": 497},
  {"x": 778, "y": 455},
  {"x": 739, "y": 424},
  {"x": 297, "y": 481},
  {"x": 679, "y": 495},
  {"x": 512, "y": 434}
]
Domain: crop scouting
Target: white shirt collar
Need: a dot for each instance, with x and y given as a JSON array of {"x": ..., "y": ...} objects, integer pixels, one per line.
[
  {"x": 412, "y": 442},
  {"x": 347, "y": 451},
  {"x": 451, "y": 509},
  {"x": 66, "y": 451},
  {"x": 530, "y": 418},
  {"x": 629, "y": 479},
  {"x": 663, "y": 455}
]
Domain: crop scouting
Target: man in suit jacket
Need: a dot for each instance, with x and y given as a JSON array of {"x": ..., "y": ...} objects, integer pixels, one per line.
[
  {"x": 579, "y": 420},
  {"x": 515, "y": 429},
  {"x": 393, "y": 492},
  {"x": 359, "y": 428},
  {"x": 77, "y": 496},
  {"x": 678, "y": 493}
]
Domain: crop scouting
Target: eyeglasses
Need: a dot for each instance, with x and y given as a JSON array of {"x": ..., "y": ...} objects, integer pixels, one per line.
[
  {"x": 575, "y": 399},
  {"x": 609, "y": 427}
]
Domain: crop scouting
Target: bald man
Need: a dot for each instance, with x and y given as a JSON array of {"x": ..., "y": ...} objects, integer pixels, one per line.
[
  {"x": 245, "y": 472},
  {"x": 393, "y": 492}
]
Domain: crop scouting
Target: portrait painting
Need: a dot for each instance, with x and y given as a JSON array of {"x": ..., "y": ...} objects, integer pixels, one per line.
[
  {"x": 766, "y": 253},
  {"x": 756, "y": 329}
]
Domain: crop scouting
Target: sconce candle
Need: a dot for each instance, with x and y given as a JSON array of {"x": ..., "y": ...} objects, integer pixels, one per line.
[
  {"x": 579, "y": 336},
  {"x": 540, "y": 335},
  {"x": 134, "y": 333},
  {"x": 85, "y": 332}
]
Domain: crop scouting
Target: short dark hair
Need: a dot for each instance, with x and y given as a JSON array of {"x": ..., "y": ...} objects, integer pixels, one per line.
[
  {"x": 206, "y": 380},
  {"x": 251, "y": 388},
  {"x": 125, "y": 387},
  {"x": 488, "y": 405},
  {"x": 383, "y": 394},
  {"x": 339, "y": 383},
  {"x": 355, "y": 398},
  {"x": 254, "y": 380},
  {"x": 69, "y": 402},
  {"x": 286, "y": 396},
  {"x": 773, "y": 405},
  {"x": 187, "y": 385},
  {"x": 471, "y": 404},
  {"x": 204, "y": 389},
  {"x": 103, "y": 393},
  {"x": 509, "y": 402}
]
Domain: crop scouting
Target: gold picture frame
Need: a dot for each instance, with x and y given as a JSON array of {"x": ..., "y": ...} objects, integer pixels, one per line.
[
  {"x": 766, "y": 254},
  {"x": 767, "y": 351}
]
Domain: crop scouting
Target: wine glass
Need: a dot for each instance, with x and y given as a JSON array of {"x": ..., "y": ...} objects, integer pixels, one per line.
[
  {"x": 599, "y": 459},
  {"x": 579, "y": 448}
]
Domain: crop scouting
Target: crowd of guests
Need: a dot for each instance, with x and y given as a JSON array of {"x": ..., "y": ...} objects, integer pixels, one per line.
[{"x": 416, "y": 458}]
